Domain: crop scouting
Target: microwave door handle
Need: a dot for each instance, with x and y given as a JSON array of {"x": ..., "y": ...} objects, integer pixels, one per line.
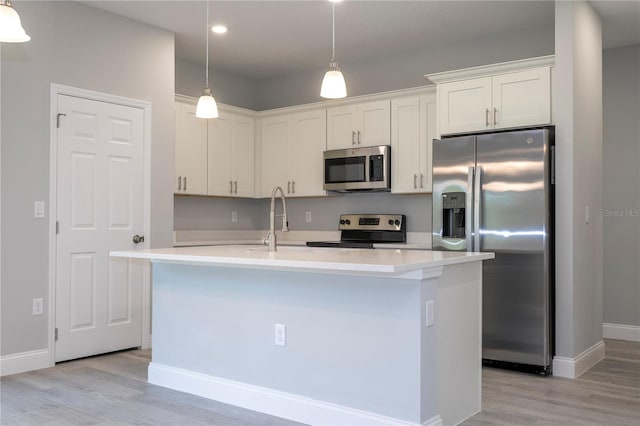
[
  {"x": 477, "y": 206},
  {"x": 468, "y": 220}
]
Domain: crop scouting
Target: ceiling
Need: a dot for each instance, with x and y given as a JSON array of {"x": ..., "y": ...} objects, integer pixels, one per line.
[{"x": 270, "y": 38}]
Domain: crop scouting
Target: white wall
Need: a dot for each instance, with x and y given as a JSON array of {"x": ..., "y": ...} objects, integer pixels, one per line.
[
  {"x": 577, "y": 105},
  {"x": 621, "y": 185},
  {"x": 76, "y": 45}
]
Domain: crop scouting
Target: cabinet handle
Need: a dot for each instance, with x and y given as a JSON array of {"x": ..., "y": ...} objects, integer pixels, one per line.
[
  {"x": 288, "y": 187},
  {"x": 415, "y": 178},
  {"x": 359, "y": 139},
  {"x": 179, "y": 183},
  {"x": 495, "y": 112},
  {"x": 184, "y": 181},
  {"x": 353, "y": 137},
  {"x": 293, "y": 186},
  {"x": 421, "y": 180},
  {"x": 230, "y": 187},
  {"x": 486, "y": 115},
  {"x": 235, "y": 187}
]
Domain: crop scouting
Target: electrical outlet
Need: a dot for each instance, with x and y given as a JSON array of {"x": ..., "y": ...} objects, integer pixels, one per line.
[
  {"x": 38, "y": 306},
  {"x": 234, "y": 216},
  {"x": 280, "y": 335},
  {"x": 307, "y": 217},
  {"x": 430, "y": 317}
]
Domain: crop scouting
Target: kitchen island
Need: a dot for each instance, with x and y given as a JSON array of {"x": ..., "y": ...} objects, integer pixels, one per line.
[{"x": 321, "y": 335}]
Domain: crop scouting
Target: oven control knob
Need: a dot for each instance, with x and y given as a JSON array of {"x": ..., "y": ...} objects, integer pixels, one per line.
[
  {"x": 342, "y": 222},
  {"x": 348, "y": 222},
  {"x": 397, "y": 222},
  {"x": 390, "y": 221}
]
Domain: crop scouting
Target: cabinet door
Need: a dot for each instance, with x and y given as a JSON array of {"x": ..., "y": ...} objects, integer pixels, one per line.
[
  {"x": 243, "y": 156},
  {"x": 220, "y": 132},
  {"x": 465, "y": 106},
  {"x": 276, "y": 134},
  {"x": 522, "y": 98},
  {"x": 308, "y": 143},
  {"x": 374, "y": 123},
  {"x": 190, "y": 151},
  {"x": 341, "y": 127},
  {"x": 428, "y": 114},
  {"x": 406, "y": 144}
]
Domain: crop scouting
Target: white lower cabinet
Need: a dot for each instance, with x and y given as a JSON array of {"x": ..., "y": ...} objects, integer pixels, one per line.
[
  {"x": 231, "y": 156},
  {"x": 413, "y": 128},
  {"x": 291, "y": 153}
]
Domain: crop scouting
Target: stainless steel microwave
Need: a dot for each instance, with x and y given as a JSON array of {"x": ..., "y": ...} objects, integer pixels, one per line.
[{"x": 358, "y": 169}]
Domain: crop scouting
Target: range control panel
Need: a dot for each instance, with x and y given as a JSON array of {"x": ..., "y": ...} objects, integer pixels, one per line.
[{"x": 369, "y": 222}]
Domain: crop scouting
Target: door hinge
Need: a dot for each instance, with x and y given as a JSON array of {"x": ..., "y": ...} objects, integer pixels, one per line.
[
  {"x": 60, "y": 114},
  {"x": 56, "y": 334}
]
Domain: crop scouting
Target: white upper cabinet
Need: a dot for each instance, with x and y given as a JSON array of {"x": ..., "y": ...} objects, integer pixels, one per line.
[
  {"x": 413, "y": 128},
  {"x": 501, "y": 96},
  {"x": 231, "y": 155},
  {"x": 363, "y": 124},
  {"x": 190, "y": 151},
  {"x": 292, "y": 147}
]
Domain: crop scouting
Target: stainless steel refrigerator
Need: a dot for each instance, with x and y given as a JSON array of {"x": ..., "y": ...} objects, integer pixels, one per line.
[{"x": 495, "y": 192}]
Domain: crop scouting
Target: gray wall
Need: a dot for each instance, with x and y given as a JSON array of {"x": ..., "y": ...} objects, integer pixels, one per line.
[
  {"x": 407, "y": 69},
  {"x": 621, "y": 185},
  {"x": 577, "y": 106},
  {"x": 75, "y": 45},
  {"x": 204, "y": 213},
  {"x": 226, "y": 88}
]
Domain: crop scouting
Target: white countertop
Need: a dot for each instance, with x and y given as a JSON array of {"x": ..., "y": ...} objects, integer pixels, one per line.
[{"x": 311, "y": 259}]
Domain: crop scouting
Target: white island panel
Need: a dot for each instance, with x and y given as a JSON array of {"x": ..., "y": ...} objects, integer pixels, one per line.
[{"x": 358, "y": 348}]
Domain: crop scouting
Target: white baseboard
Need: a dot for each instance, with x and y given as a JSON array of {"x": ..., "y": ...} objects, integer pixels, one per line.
[
  {"x": 630, "y": 333},
  {"x": 571, "y": 368},
  {"x": 24, "y": 361},
  {"x": 281, "y": 404}
]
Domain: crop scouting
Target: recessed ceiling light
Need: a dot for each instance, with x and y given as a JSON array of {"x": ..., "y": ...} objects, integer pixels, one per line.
[{"x": 219, "y": 29}]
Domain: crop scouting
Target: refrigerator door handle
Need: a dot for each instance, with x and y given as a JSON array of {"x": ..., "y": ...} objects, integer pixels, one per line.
[
  {"x": 476, "y": 208},
  {"x": 468, "y": 220}
]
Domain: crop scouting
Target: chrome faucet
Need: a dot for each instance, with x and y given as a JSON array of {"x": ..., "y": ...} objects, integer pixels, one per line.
[{"x": 272, "y": 218}]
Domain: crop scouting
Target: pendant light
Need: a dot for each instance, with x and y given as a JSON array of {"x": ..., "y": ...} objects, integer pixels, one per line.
[
  {"x": 11, "y": 30},
  {"x": 207, "y": 107},
  {"x": 333, "y": 86}
]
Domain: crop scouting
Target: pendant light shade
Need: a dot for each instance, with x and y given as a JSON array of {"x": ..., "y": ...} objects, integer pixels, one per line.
[
  {"x": 11, "y": 30},
  {"x": 333, "y": 85},
  {"x": 207, "y": 107}
]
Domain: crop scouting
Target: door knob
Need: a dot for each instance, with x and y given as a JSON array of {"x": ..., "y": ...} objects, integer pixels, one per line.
[{"x": 138, "y": 239}]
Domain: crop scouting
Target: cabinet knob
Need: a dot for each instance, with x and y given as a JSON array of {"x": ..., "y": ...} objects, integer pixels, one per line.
[
  {"x": 486, "y": 116},
  {"x": 293, "y": 186},
  {"x": 415, "y": 179},
  {"x": 179, "y": 183},
  {"x": 235, "y": 187},
  {"x": 184, "y": 183},
  {"x": 230, "y": 187},
  {"x": 353, "y": 137}
]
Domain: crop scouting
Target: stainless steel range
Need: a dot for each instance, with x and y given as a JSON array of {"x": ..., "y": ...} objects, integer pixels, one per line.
[{"x": 365, "y": 230}]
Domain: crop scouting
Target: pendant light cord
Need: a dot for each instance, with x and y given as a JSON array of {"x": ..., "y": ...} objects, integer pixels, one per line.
[
  {"x": 333, "y": 23},
  {"x": 206, "y": 76}
]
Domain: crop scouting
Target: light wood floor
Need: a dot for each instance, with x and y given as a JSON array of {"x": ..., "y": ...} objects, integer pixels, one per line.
[{"x": 112, "y": 389}]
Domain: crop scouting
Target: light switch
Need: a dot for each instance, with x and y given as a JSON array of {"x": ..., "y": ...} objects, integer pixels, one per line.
[{"x": 38, "y": 209}]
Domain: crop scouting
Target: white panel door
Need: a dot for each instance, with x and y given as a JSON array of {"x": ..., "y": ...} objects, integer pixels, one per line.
[
  {"x": 243, "y": 154},
  {"x": 219, "y": 175},
  {"x": 342, "y": 124},
  {"x": 276, "y": 134},
  {"x": 522, "y": 98},
  {"x": 100, "y": 196},
  {"x": 374, "y": 123},
  {"x": 406, "y": 144},
  {"x": 465, "y": 106},
  {"x": 308, "y": 144}
]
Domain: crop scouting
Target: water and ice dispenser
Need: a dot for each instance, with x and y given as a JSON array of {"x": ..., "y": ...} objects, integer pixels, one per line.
[{"x": 453, "y": 214}]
